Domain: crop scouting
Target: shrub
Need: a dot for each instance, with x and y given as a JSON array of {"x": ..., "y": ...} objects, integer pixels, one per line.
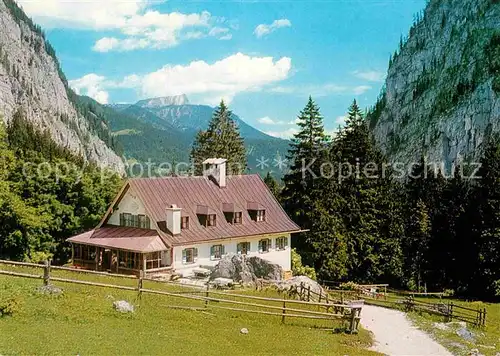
[
  {"x": 10, "y": 306},
  {"x": 349, "y": 286},
  {"x": 298, "y": 269}
]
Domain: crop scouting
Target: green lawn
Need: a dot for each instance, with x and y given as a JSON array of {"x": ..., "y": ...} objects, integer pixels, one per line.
[{"x": 82, "y": 321}]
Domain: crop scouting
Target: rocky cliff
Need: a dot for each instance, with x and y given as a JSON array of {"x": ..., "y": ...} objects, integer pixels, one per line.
[
  {"x": 31, "y": 81},
  {"x": 442, "y": 93}
]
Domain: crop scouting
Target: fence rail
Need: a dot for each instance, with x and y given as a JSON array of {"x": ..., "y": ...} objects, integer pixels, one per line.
[{"x": 284, "y": 308}]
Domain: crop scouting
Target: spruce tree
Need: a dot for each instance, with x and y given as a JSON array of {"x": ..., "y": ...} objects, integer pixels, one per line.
[
  {"x": 221, "y": 140},
  {"x": 303, "y": 183},
  {"x": 369, "y": 209},
  {"x": 273, "y": 185}
]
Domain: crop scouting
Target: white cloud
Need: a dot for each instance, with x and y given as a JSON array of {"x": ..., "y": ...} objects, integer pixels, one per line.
[
  {"x": 361, "y": 89},
  {"x": 266, "y": 120},
  {"x": 91, "y": 85},
  {"x": 135, "y": 26},
  {"x": 226, "y": 37},
  {"x": 371, "y": 76},
  {"x": 224, "y": 78},
  {"x": 84, "y": 14},
  {"x": 263, "y": 29},
  {"x": 209, "y": 82},
  {"x": 340, "y": 120},
  {"x": 286, "y": 134}
]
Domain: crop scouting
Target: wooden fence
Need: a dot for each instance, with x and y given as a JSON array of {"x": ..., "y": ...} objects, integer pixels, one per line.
[
  {"x": 406, "y": 300},
  {"x": 284, "y": 308}
]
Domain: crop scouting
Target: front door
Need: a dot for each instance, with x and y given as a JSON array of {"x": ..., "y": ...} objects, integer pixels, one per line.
[{"x": 106, "y": 260}]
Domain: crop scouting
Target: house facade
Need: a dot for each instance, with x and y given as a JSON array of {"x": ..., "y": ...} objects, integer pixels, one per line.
[{"x": 183, "y": 223}]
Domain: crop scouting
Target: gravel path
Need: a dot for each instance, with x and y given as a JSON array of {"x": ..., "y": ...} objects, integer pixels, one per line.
[{"x": 395, "y": 335}]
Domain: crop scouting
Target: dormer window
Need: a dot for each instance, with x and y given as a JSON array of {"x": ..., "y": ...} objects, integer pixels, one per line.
[
  {"x": 231, "y": 213},
  {"x": 206, "y": 216},
  {"x": 211, "y": 220},
  {"x": 184, "y": 222},
  {"x": 256, "y": 211}
]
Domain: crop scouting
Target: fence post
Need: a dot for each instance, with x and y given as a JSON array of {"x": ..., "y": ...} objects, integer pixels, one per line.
[
  {"x": 139, "y": 285},
  {"x": 46, "y": 273},
  {"x": 284, "y": 311},
  {"x": 352, "y": 325},
  {"x": 342, "y": 297},
  {"x": 206, "y": 296},
  {"x": 309, "y": 293},
  {"x": 484, "y": 317},
  {"x": 451, "y": 311}
]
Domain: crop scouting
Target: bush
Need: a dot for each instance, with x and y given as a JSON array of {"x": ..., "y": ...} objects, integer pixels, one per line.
[
  {"x": 349, "y": 286},
  {"x": 10, "y": 306},
  {"x": 298, "y": 269}
]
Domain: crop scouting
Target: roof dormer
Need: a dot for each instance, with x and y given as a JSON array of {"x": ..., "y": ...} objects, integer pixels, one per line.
[
  {"x": 206, "y": 215},
  {"x": 256, "y": 211},
  {"x": 232, "y": 213}
]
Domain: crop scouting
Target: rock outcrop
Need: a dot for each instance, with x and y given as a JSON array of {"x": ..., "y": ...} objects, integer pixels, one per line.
[
  {"x": 442, "y": 93},
  {"x": 246, "y": 270},
  {"x": 31, "y": 81}
]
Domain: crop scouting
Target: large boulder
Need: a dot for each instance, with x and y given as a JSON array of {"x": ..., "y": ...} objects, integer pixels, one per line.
[
  {"x": 246, "y": 270},
  {"x": 293, "y": 284}
]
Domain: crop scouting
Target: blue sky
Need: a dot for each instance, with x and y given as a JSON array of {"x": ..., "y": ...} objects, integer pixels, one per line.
[{"x": 263, "y": 57}]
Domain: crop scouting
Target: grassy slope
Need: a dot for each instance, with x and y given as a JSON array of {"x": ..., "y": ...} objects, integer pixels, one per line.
[{"x": 82, "y": 321}]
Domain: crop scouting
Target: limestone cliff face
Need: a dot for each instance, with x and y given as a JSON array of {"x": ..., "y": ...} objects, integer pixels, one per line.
[
  {"x": 31, "y": 81},
  {"x": 442, "y": 92}
]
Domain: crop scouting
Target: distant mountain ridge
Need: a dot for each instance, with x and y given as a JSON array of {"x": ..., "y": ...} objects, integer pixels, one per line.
[
  {"x": 176, "y": 126},
  {"x": 163, "y": 101}
]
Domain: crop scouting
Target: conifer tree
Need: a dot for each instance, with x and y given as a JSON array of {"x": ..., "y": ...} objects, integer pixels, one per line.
[
  {"x": 273, "y": 185},
  {"x": 221, "y": 140},
  {"x": 303, "y": 182},
  {"x": 368, "y": 214}
]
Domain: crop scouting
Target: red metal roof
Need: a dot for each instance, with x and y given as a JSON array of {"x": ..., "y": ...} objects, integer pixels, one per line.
[
  {"x": 189, "y": 193},
  {"x": 123, "y": 238}
]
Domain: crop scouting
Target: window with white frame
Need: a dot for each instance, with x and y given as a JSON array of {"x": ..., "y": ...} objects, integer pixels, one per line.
[
  {"x": 261, "y": 215},
  {"x": 216, "y": 252},
  {"x": 264, "y": 245},
  {"x": 189, "y": 255},
  {"x": 281, "y": 243},
  {"x": 243, "y": 248}
]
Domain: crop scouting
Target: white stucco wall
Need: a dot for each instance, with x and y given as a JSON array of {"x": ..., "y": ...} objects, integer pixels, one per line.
[
  {"x": 129, "y": 204},
  {"x": 281, "y": 257}
]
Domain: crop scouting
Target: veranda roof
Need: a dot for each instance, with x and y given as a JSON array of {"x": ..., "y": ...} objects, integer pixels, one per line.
[{"x": 122, "y": 238}]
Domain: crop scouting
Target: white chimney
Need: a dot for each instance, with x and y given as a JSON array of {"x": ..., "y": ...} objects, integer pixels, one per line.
[
  {"x": 174, "y": 219},
  {"x": 216, "y": 168}
]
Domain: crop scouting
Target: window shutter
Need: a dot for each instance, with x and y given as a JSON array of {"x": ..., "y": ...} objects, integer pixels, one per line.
[
  {"x": 269, "y": 244},
  {"x": 223, "y": 250},
  {"x": 286, "y": 242},
  {"x": 148, "y": 223},
  {"x": 184, "y": 259},
  {"x": 122, "y": 220},
  {"x": 260, "y": 245},
  {"x": 238, "y": 248},
  {"x": 212, "y": 252},
  {"x": 135, "y": 220},
  {"x": 195, "y": 254}
]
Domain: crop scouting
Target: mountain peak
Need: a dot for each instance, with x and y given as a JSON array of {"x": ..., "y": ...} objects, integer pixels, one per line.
[{"x": 164, "y": 101}]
